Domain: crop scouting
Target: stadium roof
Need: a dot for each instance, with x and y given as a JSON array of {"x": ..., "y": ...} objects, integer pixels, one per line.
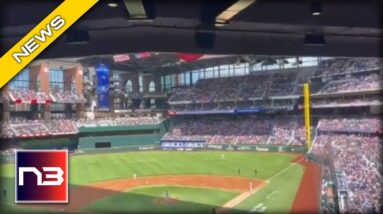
[{"x": 266, "y": 27}]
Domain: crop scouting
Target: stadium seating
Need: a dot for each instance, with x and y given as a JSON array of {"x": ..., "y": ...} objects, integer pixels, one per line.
[
  {"x": 61, "y": 127},
  {"x": 255, "y": 86},
  {"x": 67, "y": 97},
  {"x": 282, "y": 84},
  {"x": 362, "y": 75},
  {"x": 244, "y": 131},
  {"x": 363, "y": 82},
  {"x": 340, "y": 66},
  {"x": 38, "y": 128},
  {"x": 41, "y": 128},
  {"x": 357, "y": 158},
  {"x": 346, "y": 102},
  {"x": 366, "y": 125},
  {"x": 27, "y": 96},
  {"x": 119, "y": 121}
]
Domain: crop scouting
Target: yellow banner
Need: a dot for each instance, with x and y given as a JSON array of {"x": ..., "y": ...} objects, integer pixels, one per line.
[{"x": 47, "y": 31}]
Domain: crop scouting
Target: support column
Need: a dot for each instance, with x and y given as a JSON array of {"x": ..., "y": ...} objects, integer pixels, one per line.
[
  {"x": 35, "y": 85},
  {"x": 79, "y": 83},
  {"x": 45, "y": 87},
  {"x": 75, "y": 75},
  {"x": 6, "y": 105}
]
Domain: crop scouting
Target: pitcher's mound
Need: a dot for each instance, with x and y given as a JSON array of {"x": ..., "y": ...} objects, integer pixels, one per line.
[{"x": 165, "y": 201}]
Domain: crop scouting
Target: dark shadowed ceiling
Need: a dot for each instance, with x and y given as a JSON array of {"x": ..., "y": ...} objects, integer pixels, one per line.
[{"x": 267, "y": 27}]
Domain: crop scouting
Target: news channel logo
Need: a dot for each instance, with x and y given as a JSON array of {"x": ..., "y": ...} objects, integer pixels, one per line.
[{"x": 41, "y": 176}]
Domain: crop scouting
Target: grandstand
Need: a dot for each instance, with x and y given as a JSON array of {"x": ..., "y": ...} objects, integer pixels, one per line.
[{"x": 232, "y": 105}]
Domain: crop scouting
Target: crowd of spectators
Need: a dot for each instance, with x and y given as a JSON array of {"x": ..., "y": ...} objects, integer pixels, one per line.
[
  {"x": 362, "y": 75},
  {"x": 37, "y": 128},
  {"x": 366, "y": 125},
  {"x": 358, "y": 158},
  {"x": 28, "y": 96},
  {"x": 238, "y": 87},
  {"x": 255, "y": 85},
  {"x": 239, "y": 131},
  {"x": 41, "y": 128},
  {"x": 117, "y": 121},
  {"x": 230, "y": 91},
  {"x": 346, "y": 102},
  {"x": 282, "y": 84},
  {"x": 181, "y": 95},
  {"x": 67, "y": 97},
  {"x": 371, "y": 81},
  {"x": 346, "y": 65},
  {"x": 61, "y": 127}
]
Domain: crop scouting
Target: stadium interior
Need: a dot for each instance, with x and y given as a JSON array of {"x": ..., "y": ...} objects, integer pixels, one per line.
[{"x": 180, "y": 76}]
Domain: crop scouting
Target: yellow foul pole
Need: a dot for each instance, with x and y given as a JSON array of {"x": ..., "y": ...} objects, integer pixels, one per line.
[{"x": 306, "y": 93}]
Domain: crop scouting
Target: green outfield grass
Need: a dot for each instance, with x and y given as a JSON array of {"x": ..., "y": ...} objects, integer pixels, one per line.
[
  {"x": 142, "y": 200},
  {"x": 85, "y": 169},
  {"x": 90, "y": 168}
]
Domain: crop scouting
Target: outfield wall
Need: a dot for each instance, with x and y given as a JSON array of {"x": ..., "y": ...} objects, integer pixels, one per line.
[
  {"x": 223, "y": 147},
  {"x": 121, "y": 136}
]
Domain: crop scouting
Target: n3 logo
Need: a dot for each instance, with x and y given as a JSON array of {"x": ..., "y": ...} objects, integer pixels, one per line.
[
  {"x": 41, "y": 176},
  {"x": 57, "y": 176}
]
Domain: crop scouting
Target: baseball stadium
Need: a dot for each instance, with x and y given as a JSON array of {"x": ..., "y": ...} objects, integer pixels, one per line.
[{"x": 207, "y": 126}]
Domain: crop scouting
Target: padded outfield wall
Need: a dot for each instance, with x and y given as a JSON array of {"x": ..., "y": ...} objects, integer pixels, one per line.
[{"x": 91, "y": 138}]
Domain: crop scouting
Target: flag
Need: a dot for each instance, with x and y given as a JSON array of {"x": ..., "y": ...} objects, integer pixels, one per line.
[
  {"x": 188, "y": 57},
  {"x": 142, "y": 55}
]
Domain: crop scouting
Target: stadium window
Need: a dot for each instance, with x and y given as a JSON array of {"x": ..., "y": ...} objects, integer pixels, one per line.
[
  {"x": 162, "y": 83},
  {"x": 141, "y": 83},
  {"x": 201, "y": 74},
  {"x": 195, "y": 76},
  {"x": 21, "y": 81},
  {"x": 129, "y": 86},
  {"x": 209, "y": 73},
  {"x": 216, "y": 72},
  {"x": 187, "y": 78},
  {"x": 224, "y": 70},
  {"x": 181, "y": 78},
  {"x": 272, "y": 67},
  {"x": 152, "y": 87},
  {"x": 309, "y": 61},
  {"x": 152, "y": 103},
  {"x": 56, "y": 79}
]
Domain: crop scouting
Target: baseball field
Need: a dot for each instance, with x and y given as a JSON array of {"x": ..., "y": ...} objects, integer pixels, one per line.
[{"x": 176, "y": 182}]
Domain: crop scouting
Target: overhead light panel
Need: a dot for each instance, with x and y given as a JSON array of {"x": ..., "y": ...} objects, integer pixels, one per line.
[
  {"x": 136, "y": 10},
  {"x": 316, "y": 7},
  {"x": 112, "y": 4},
  {"x": 231, "y": 11}
]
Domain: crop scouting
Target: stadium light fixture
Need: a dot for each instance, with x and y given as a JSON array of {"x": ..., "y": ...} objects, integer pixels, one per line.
[
  {"x": 224, "y": 17},
  {"x": 112, "y": 4},
  {"x": 136, "y": 10},
  {"x": 316, "y": 7}
]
